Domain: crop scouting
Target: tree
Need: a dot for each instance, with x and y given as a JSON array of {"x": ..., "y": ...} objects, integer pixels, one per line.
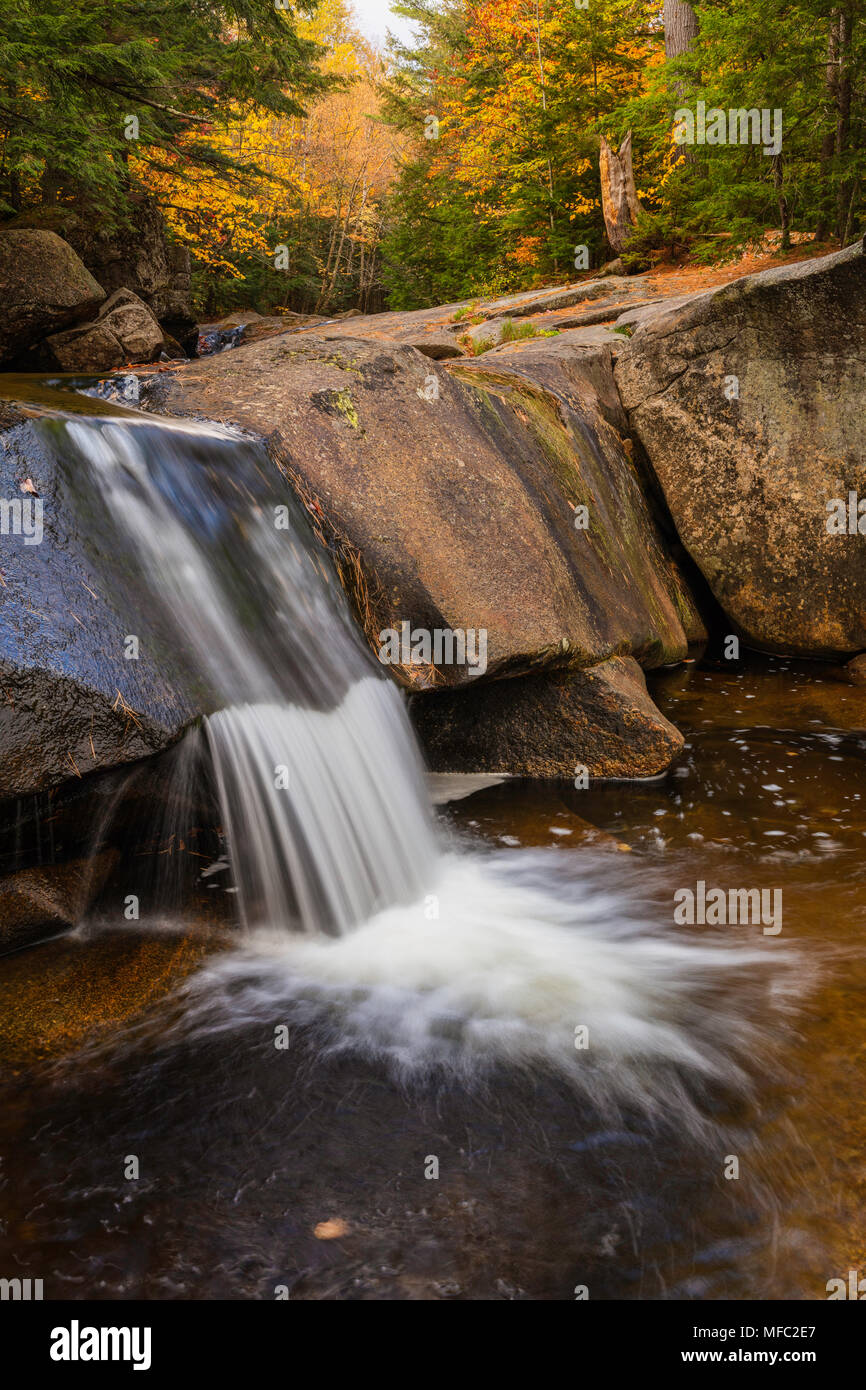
[
  {"x": 519, "y": 91},
  {"x": 85, "y": 83},
  {"x": 681, "y": 28},
  {"x": 303, "y": 228}
]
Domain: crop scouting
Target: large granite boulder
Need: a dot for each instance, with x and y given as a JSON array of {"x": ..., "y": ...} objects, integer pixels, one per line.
[
  {"x": 749, "y": 402},
  {"x": 124, "y": 331},
  {"x": 43, "y": 287},
  {"x": 137, "y": 255},
  {"x": 501, "y": 502},
  {"x": 602, "y": 717}
]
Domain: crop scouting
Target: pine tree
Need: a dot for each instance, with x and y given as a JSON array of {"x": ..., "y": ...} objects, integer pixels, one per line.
[{"x": 83, "y": 83}]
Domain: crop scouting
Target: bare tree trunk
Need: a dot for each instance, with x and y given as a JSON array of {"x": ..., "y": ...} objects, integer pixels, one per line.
[
  {"x": 681, "y": 27},
  {"x": 849, "y": 221},
  {"x": 784, "y": 208},
  {"x": 618, "y": 195},
  {"x": 843, "y": 119},
  {"x": 828, "y": 144}
]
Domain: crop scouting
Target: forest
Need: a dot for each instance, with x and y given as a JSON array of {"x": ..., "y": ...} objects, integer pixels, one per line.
[{"x": 308, "y": 170}]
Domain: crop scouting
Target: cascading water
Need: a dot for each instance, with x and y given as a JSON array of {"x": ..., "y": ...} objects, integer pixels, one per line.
[
  {"x": 443, "y": 959},
  {"x": 319, "y": 780}
]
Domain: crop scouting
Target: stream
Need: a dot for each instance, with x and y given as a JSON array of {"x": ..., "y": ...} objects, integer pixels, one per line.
[{"x": 355, "y": 1046}]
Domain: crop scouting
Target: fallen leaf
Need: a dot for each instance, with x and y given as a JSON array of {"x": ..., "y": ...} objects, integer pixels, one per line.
[{"x": 331, "y": 1230}]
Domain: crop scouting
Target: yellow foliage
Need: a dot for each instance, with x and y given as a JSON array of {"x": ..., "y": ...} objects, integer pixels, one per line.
[{"x": 334, "y": 163}]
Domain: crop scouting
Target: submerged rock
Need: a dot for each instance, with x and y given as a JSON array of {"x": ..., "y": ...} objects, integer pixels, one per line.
[
  {"x": 41, "y": 902},
  {"x": 749, "y": 402}
]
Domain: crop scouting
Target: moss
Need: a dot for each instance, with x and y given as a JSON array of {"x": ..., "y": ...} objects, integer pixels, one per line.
[
  {"x": 346, "y": 407},
  {"x": 337, "y": 403}
]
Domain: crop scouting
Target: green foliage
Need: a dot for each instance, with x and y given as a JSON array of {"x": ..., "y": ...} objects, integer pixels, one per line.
[
  {"x": 656, "y": 236},
  {"x": 73, "y": 72},
  {"x": 516, "y": 332},
  {"x": 503, "y": 200},
  {"x": 500, "y": 203}
]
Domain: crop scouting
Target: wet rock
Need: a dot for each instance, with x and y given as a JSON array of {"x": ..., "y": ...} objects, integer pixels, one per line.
[
  {"x": 220, "y": 339},
  {"x": 38, "y": 903},
  {"x": 71, "y": 703},
  {"x": 748, "y": 401},
  {"x": 53, "y": 727},
  {"x": 258, "y": 326},
  {"x": 43, "y": 287},
  {"x": 124, "y": 388},
  {"x": 124, "y": 331},
  {"x": 549, "y": 725}
]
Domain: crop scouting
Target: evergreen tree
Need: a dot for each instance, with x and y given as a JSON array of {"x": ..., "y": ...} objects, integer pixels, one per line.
[{"x": 84, "y": 82}]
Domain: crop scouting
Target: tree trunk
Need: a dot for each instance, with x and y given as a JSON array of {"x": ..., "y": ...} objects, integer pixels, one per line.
[
  {"x": 618, "y": 195},
  {"x": 843, "y": 120},
  {"x": 784, "y": 207},
  {"x": 828, "y": 144},
  {"x": 681, "y": 30},
  {"x": 681, "y": 27}
]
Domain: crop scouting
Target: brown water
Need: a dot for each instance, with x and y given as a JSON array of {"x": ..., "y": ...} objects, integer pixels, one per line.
[{"x": 243, "y": 1151}]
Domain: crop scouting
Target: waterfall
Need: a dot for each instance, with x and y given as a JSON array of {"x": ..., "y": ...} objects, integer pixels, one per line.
[
  {"x": 319, "y": 779},
  {"x": 363, "y": 928}
]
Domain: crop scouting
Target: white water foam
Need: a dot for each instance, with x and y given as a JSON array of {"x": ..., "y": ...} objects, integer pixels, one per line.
[{"x": 513, "y": 964}]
